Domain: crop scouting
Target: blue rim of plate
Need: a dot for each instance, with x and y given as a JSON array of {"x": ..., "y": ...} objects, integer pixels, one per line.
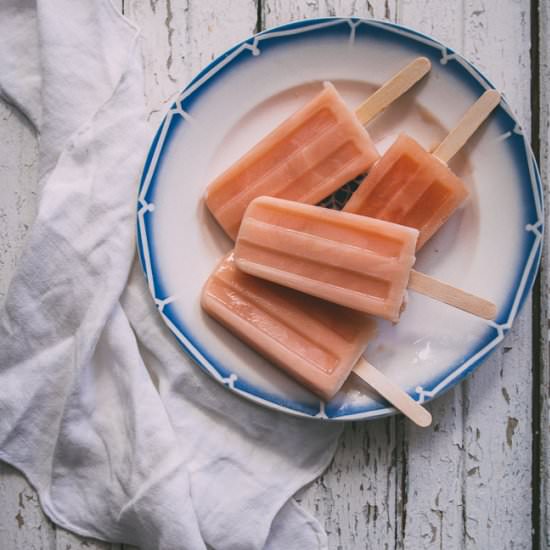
[{"x": 531, "y": 186}]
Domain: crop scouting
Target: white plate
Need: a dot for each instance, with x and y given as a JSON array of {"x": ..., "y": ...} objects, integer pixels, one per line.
[{"x": 491, "y": 247}]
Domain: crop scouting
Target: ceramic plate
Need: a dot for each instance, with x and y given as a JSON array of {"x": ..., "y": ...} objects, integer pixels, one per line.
[{"x": 491, "y": 247}]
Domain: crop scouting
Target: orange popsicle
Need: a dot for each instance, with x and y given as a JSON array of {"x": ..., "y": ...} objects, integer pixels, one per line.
[
  {"x": 412, "y": 187},
  {"x": 355, "y": 261},
  {"x": 310, "y": 155},
  {"x": 315, "y": 342}
]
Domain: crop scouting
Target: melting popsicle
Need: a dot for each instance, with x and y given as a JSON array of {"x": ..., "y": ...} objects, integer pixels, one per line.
[
  {"x": 310, "y": 155},
  {"x": 412, "y": 187},
  {"x": 355, "y": 261},
  {"x": 315, "y": 342}
]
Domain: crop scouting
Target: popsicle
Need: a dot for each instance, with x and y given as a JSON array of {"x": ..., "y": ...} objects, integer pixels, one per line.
[
  {"x": 359, "y": 262},
  {"x": 412, "y": 187},
  {"x": 310, "y": 155},
  {"x": 315, "y": 342}
]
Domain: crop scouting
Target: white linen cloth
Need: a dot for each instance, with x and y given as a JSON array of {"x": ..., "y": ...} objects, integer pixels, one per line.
[{"x": 122, "y": 436}]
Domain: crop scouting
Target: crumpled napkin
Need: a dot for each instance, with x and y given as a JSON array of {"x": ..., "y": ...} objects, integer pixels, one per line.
[{"x": 122, "y": 436}]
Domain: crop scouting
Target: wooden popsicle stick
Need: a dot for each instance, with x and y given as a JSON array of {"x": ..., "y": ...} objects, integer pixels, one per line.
[
  {"x": 400, "y": 399},
  {"x": 392, "y": 89},
  {"x": 469, "y": 123},
  {"x": 451, "y": 295}
]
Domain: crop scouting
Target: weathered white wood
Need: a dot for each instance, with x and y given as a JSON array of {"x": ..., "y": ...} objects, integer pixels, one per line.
[
  {"x": 358, "y": 499},
  {"x": 498, "y": 438},
  {"x": 22, "y": 523},
  {"x": 180, "y": 38},
  {"x": 544, "y": 139},
  {"x": 464, "y": 483},
  {"x": 277, "y": 12},
  {"x": 469, "y": 481},
  {"x": 65, "y": 540},
  {"x": 434, "y": 469}
]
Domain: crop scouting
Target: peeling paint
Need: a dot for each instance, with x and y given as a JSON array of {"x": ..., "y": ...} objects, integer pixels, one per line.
[
  {"x": 511, "y": 426},
  {"x": 20, "y": 520},
  {"x": 376, "y": 459},
  {"x": 434, "y": 532},
  {"x": 168, "y": 24},
  {"x": 387, "y": 12}
]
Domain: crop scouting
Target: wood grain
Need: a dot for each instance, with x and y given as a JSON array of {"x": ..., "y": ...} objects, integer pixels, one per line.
[
  {"x": 64, "y": 540},
  {"x": 543, "y": 392},
  {"x": 434, "y": 467},
  {"x": 464, "y": 482},
  {"x": 498, "y": 438},
  {"x": 358, "y": 499},
  {"x": 180, "y": 38},
  {"x": 485, "y": 450},
  {"x": 22, "y": 524}
]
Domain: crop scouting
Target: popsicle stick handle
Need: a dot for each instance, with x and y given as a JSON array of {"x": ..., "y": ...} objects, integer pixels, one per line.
[
  {"x": 392, "y": 392},
  {"x": 451, "y": 295},
  {"x": 470, "y": 122},
  {"x": 392, "y": 89}
]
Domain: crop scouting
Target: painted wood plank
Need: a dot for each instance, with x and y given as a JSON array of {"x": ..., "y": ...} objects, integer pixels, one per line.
[
  {"x": 180, "y": 38},
  {"x": 65, "y": 540},
  {"x": 277, "y": 12},
  {"x": 358, "y": 499},
  {"x": 544, "y": 141},
  {"x": 468, "y": 481},
  {"x": 22, "y": 522},
  {"x": 375, "y": 442},
  {"x": 434, "y": 463},
  {"x": 498, "y": 436}
]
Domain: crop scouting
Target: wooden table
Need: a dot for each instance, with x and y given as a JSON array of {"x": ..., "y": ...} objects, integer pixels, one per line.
[{"x": 479, "y": 477}]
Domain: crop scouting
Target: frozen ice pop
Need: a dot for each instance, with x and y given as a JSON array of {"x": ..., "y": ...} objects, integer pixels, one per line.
[
  {"x": 314, "y": 341},
  {"x": 359, "y": 262},
  {"x": 412, "y": 187},
  {"x": 310, "y": 155}
]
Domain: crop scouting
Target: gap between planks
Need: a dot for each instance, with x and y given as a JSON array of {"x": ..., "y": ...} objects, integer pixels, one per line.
[{"x": 538, "y": 308}]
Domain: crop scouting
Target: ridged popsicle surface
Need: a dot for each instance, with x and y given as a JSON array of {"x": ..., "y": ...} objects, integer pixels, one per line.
[
  {"x": 358, "y": 262},
  {"x": 306, "y": 158},
  {"x": 314, "y": 341}
]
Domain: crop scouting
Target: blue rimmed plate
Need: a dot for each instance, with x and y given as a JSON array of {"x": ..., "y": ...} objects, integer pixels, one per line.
[{"x": 491, "y": 247}]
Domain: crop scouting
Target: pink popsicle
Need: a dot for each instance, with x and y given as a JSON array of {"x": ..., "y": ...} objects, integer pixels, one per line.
[
  {"x": 310, "y": 155},
  {"x": 355, "y": 261},
  {"x": 314, "y": 341},
  {"x": 413, "y": 187}
]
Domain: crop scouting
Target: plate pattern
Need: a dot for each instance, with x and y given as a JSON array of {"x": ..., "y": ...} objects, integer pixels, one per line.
[{"x": 178, "y": 112}]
